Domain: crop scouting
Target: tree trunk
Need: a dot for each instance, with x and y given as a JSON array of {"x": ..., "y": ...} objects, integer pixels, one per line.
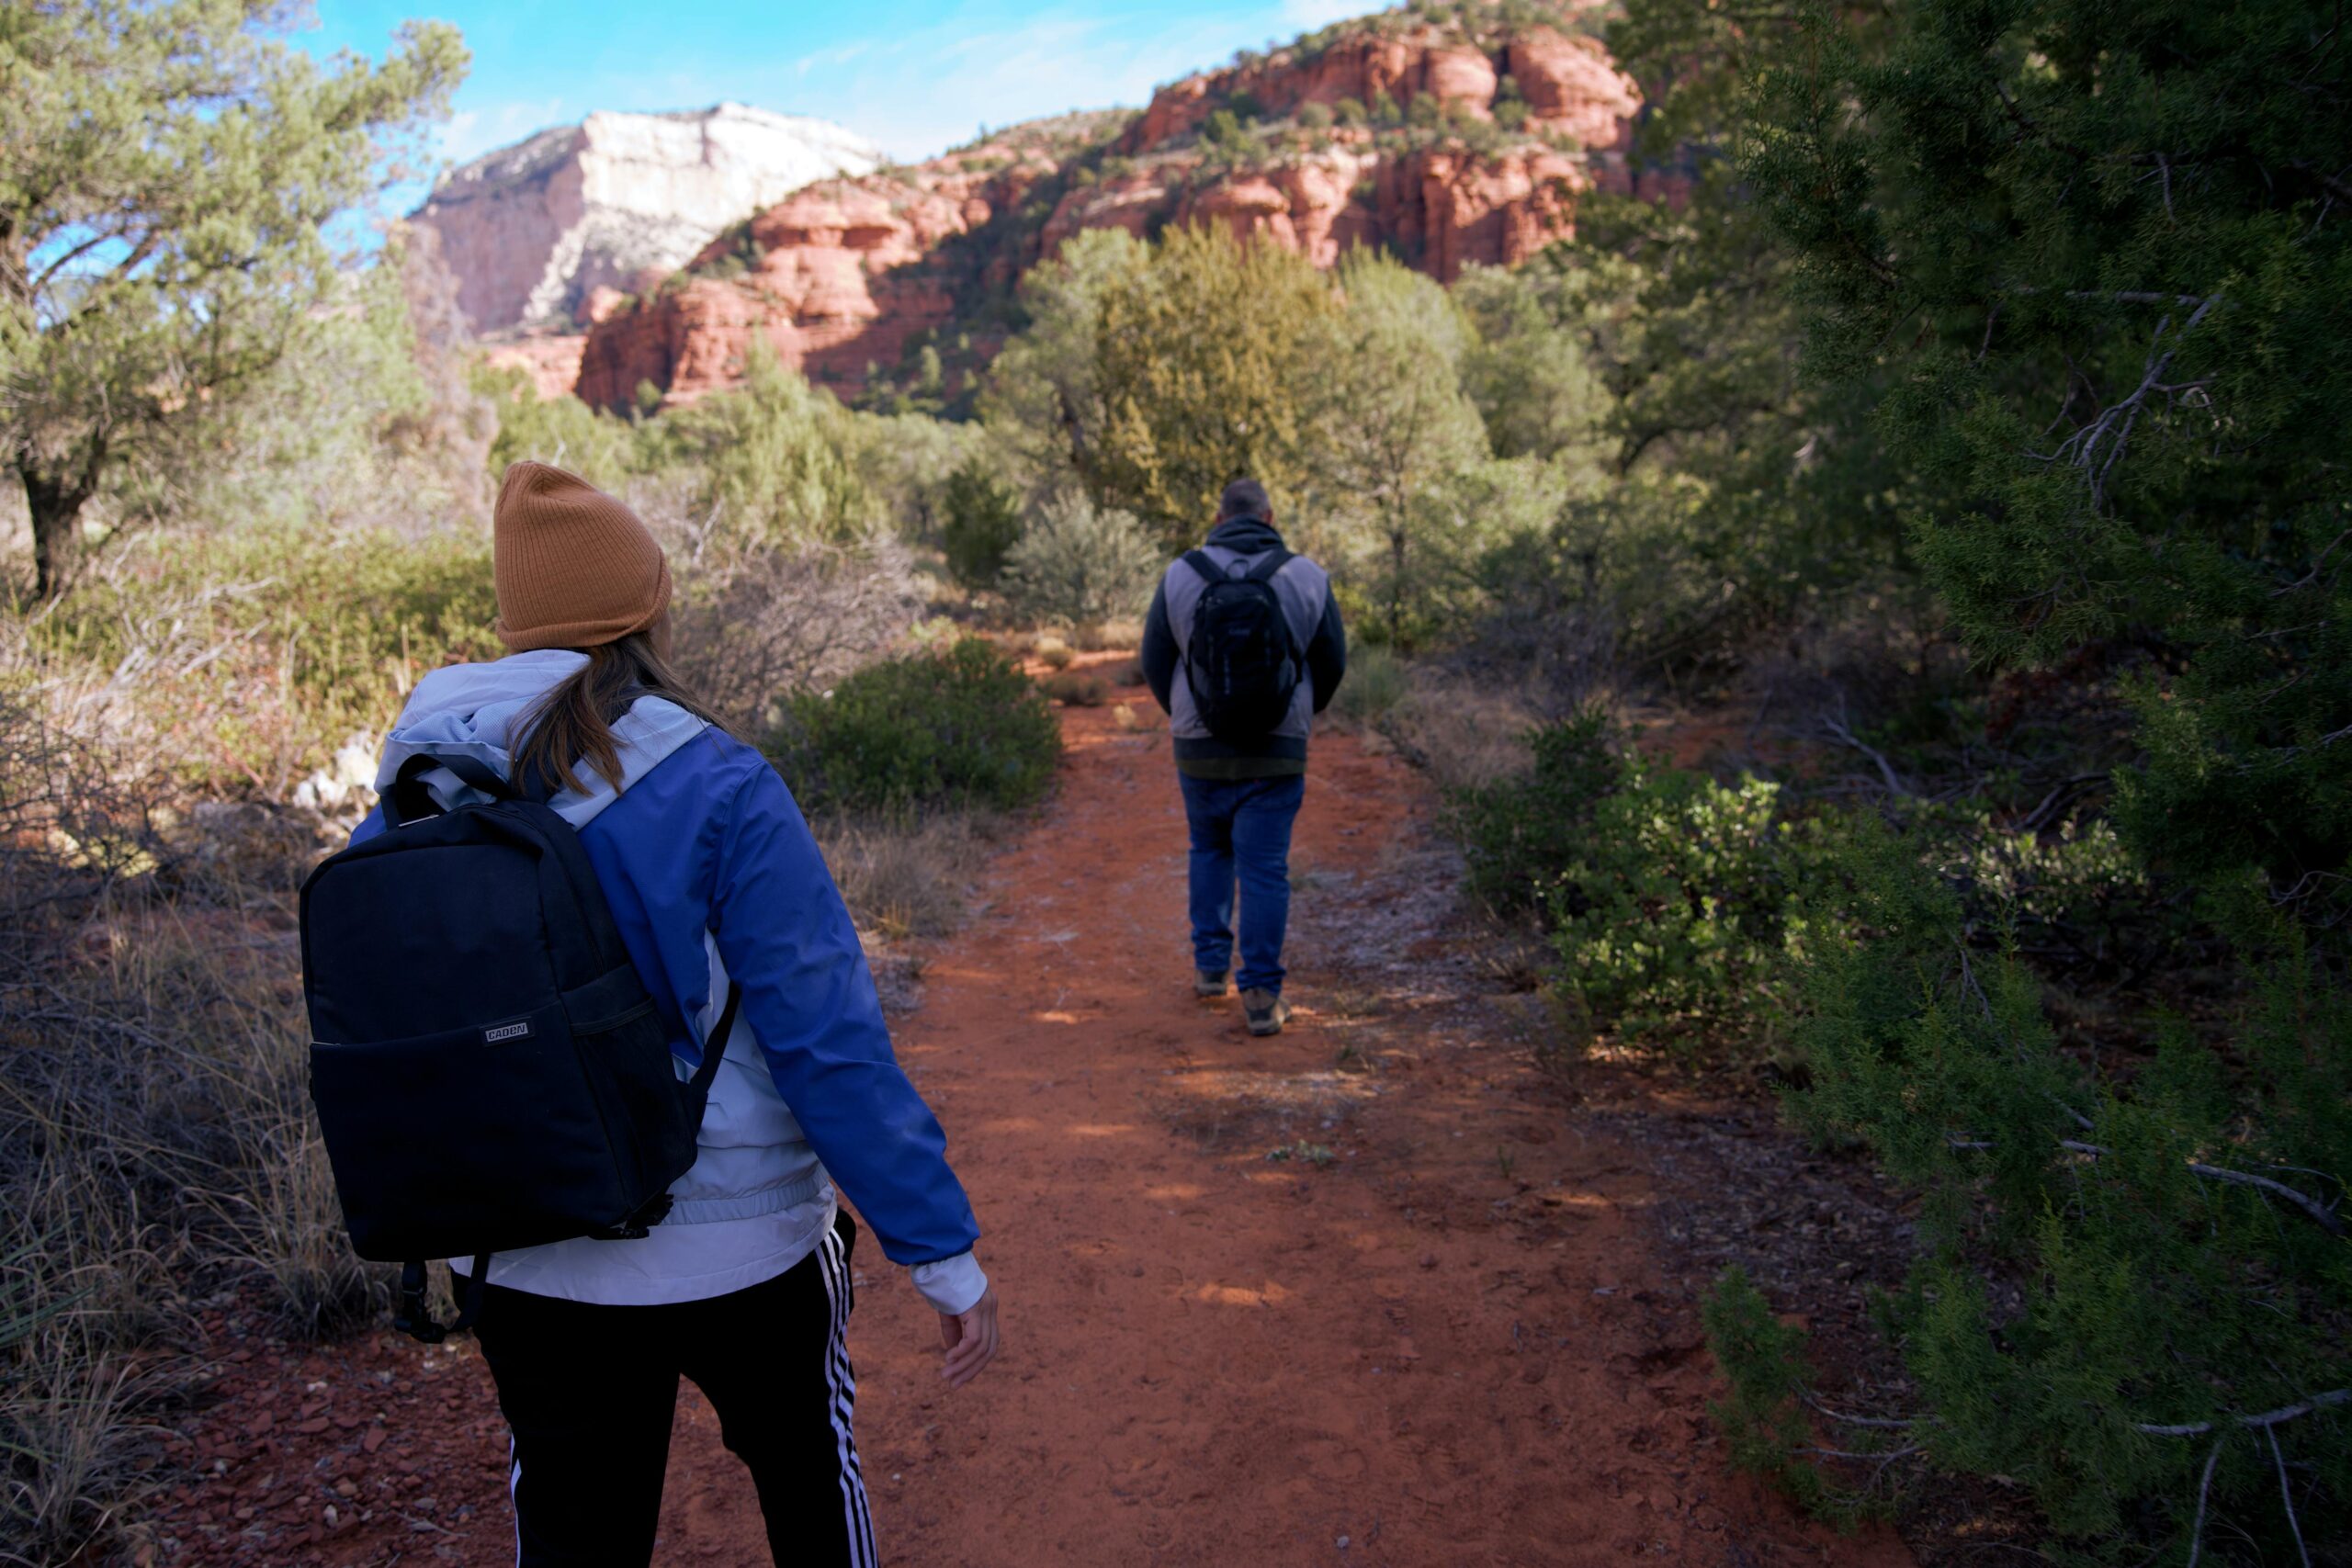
[
  {"x": 56, "y": 510},
  {"x": 1396, "y": 584}
]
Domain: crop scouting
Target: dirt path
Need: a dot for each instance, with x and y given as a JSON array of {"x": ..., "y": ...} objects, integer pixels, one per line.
[
  {"x": 1445, "y": 1345},
  {"x": 1442, "y": 1332}
]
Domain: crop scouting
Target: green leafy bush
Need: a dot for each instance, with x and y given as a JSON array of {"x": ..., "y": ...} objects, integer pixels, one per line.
[
  {"x": 1688, "y": 907},
  {"x": 960, "y": 728},
  {"x": 1080, "y": 565},
  {"x": 1377, "y": 682},
  {"x": 1679, "y": 905},
  {"x": 1519, "y": 835},
  {"x": 980, "y": 521}
]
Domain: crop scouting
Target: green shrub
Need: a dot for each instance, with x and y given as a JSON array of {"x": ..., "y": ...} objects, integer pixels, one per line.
[
  {"x": 562, "y": 430},
  {"x": 1314, "y": 116},
  {"x": 1679, "y": 905},
  {"x": 959, "y": 729},
  {"x": 1080, "y": 565},
  {"x": 1689, "y": 905},
  {"x": 1765, "y": 1418},
  {"x": 980, "y": 521},
  {"x": 1519, "y": 835},
  {"x": 2117, "y": 1271},
  {"x": 1762, "y": 1362},
  {"x": 1375, "y": 683},
  {"x": 260, "y": 651}
]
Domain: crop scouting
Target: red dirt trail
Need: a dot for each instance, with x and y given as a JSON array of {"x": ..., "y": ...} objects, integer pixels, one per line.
[
  {"x": 1403, "y": 1356},
  {"x": 1448, "y": 1341}
]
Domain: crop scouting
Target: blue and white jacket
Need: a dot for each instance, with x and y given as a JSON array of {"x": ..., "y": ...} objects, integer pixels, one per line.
[{"x": 711, "y": 872}]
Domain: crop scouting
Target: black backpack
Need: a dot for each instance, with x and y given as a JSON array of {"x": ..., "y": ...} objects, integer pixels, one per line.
[
  {"x": 489, "y": 1068},
  {"x": 1241, "y": 661}
]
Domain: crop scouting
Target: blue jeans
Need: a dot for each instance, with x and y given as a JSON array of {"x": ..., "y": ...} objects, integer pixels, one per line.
[{"x": 1242, "y": 825}]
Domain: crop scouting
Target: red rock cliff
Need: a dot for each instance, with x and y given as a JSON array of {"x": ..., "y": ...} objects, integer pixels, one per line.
[{"x": 843, "y": 276}]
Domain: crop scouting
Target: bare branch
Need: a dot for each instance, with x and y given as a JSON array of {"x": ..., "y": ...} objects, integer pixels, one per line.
[
  {"x": 2204, "y": 1487},
  {"x": 2287, "y": 1496},
  {"x": 2267, "y": 1418},
  {"x": 2327, "y": 1219},
  {"x": 2321, "y": 1214},
  {"x": 1837, "y": 730},
  {"x": 1845, "y": 1420}
]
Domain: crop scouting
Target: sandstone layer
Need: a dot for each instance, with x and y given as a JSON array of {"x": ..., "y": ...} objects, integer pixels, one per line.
[
  {"x": 531, "y": 231},
  {"x": 843, "y": 277}
]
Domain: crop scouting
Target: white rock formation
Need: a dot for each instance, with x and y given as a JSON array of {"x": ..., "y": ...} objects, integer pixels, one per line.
[{"x": 530, "y": 229}]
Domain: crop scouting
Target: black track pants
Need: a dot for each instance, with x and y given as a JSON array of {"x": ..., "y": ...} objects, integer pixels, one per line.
[{"x": 588, "y": 1392}]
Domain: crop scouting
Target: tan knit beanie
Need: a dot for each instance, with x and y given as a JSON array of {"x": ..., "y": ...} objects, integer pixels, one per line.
[{"x": 574, "y": 567}]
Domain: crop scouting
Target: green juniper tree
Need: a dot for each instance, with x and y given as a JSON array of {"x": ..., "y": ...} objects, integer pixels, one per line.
[
  {"x": 1203, "y": 363},
  {"x": 2098, "y": 259},
  {"x": 1395, "y": 423},
  {"x": 166, "y": 168}
]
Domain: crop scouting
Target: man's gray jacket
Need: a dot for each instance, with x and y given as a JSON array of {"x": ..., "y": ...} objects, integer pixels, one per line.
[{"x": 1313, "y": 615}]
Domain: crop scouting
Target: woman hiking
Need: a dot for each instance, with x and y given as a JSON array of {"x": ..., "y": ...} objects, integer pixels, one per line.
[{"x": 712, "y": 877}]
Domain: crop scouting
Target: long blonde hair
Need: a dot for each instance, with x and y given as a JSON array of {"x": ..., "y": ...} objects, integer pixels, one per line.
[{"x": 573, "y": 723}]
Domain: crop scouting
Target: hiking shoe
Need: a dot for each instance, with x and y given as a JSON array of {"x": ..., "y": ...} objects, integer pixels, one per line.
[
  {"x": 1211, "y": 984},
  {"x": 1265, "y": 1010}
]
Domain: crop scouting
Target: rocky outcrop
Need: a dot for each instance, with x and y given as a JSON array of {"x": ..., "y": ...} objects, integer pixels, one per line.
[
  {"x": 1571, "y": 86},
  {"x": 552, "y": 360},
  {"x": 531, "y": 231},
  {"x": 845, "y": 276},
  {"x": 1566, "y": 81}
]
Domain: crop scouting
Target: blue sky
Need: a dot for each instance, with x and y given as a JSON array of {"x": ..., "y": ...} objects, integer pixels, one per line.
[{"x": 916, "y": 78}]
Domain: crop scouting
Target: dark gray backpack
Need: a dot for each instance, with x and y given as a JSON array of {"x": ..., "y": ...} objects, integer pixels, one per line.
[{"x": 1241, "y": 662}]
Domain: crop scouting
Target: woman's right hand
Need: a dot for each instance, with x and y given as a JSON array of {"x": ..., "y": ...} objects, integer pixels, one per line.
[{"x": 969, "y": 1340}]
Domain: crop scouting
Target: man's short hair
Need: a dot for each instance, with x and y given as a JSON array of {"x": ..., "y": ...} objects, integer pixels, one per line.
[{"x": 1244, "y": 498}]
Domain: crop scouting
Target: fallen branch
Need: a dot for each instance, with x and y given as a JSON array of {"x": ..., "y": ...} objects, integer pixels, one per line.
[
  {"x": 2287, "y": 1496},
  {"x": 2267, "y": 1418},
  {"x": 2321, "y": 1214},
  {"x": 2204, "y": 1488},
  {"x": 1837, "y": 730},
  {"x": 1845, "y": 1420}
]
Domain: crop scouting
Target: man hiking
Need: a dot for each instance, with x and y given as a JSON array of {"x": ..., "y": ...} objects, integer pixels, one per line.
[{"x": 1243, "y": 647}]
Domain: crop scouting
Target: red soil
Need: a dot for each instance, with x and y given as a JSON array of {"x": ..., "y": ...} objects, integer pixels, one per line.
[{"x": 1452, "y": 1343}]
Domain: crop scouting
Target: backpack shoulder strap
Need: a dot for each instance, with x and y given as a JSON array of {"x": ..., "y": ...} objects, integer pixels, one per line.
[
  {"x": 714, "y": 1044},
  {"x": 1274, "y": 562},
  {"x": 407, "y": 799},
  {"x": 1203, "y": 566}
]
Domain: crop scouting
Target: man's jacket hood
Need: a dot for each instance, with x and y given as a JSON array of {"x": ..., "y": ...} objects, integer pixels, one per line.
[{"x": 1244, "y": 537}]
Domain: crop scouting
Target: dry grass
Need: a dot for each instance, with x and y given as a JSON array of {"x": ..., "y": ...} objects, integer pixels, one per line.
[
  {"x": 903, "y": 879},
  {"x": 155, "y": 1141},
  {"x": 1108, "y": 637},
  {"x": 1461, "y": 731},
  {"x": 1076, "y": 689}
]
